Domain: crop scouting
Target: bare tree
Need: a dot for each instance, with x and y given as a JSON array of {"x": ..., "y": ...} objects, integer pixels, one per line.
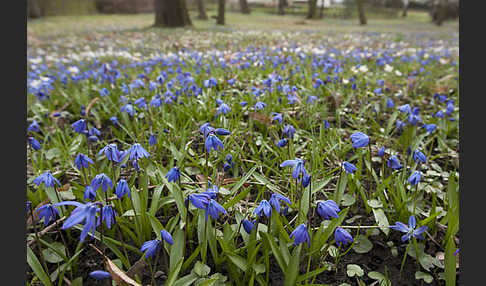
[
  {"x": 321, "y": 13},
  {"x": 220, "y": 18},
  {"x": 361, "y": 13},
  {"x": 405, "y": 8},
  {"x": 245, "y": 9},
  {"x": 33, "y": 9},
  {"x": 281, "y": 6},
  {"x": 311, "y": 13},
  {"x": 202, "y": 10},
  {"x": 441, "y": 12},
  {"x": 171, "y": 13}
]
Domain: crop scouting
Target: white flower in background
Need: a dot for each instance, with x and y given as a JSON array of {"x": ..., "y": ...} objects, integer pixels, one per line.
[
  {"x": 73, "y": 69},
  {"x": 398, "y": 73},
  {"x": 363, "y": 69},
  {"x": 388, "y": 68}
]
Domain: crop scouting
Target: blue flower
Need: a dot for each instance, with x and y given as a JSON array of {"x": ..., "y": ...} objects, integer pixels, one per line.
[
  {"x": 306, "y": 179},
  {"x": 349, "y": 168},
  {"x": 151, "y": 247},
  {"x": 248, "y": 225},
  {"x": 223, "y": 108},
  {"x": 277, "y": 116},
  {"x": 405, "y": 108},
  {"x": 414, "y": 119},
  {"x": 213, "y": 142},
  {"x": 79, "y": 126},
  {"x": 173, "y": 175},
  {"x": 439, "y": 114},
  {"x": 199, "y": 201},
  {"x": 101, "y": 180},
  {"x": 299, "y": 167},
  {"x": 83, "y": 212},
  {"x": 429, "y": 127},
  {"x": 243, "y": 103},
  {"x": 152, "y": 139},
  {"x": 410, "y": 230},
  {"x": 111, "y": 152},
  {"x": 275, "y": 201},
  {"x": 282, "y": 142},
  {"x": 47, "y": 179},
  {"x": 47, "y": 212},
  {"x": 128, "y": 108},
  {"x": 89, "y": 193},
  {"x": 214, "y": 209},
  {"x": 328, "y": 209},
  {"x": 82, "y": 161},
  {"x": 449, "y": 108},
  {"x": 311, "y": 99},
  {"x": 342, "y": 236},
  {"x": 222, "y": 131},
  {"x": 114, "y": 120},
  {"x": 34, "y": 143},
  {"x": 109, "y": 215},
  {"x": 300, "y": 235},
  {"x": 166, "y": 236},
  {"x": 122, "y": 188},
  {"x": 359, "y": 139},
  {"x": 104, "y": 92},
  {"x": 394, "y": 163},
  {"x": 289, "y": 131},
  {"x": 260, "y": 105},
  {"x": 381, "y": 152},
  {"x": 400, "y": 125},
  {"x": 327, "y": 125},
  {"x": 206, "y": 129},
  {"x": 33, "y": 127},
  {"x": 419, "y": 156},
  {"x": 389, "y": 103},
  {"x": 415, "y": 178},
  {"x": 138, "y": 152},
  {"x": 263, "y": 208},
  {"x": 100, "y": 275}
]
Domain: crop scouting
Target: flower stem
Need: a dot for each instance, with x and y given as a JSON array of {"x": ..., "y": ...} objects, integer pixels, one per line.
[{"x": 37, "y": 238}]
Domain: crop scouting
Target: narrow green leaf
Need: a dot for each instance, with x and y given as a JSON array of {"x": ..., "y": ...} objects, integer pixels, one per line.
[{"x": 37, "y": 267}]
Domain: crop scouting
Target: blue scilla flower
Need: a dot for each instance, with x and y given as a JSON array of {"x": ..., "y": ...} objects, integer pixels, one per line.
[
  {"x": 414, "y": 119},
  {"x": 243, "y": 103},
  {"x": 104, "y": 92},
  {"x": 47, "y": 179},
  {"x": 419, "y": 156},
  {"x": 173, "y": 175},
  {"x": 206, "y": 129},
  {"x": 213, "y": 142},
  {"x": 289, "y": 131},
  {"x": 199, "y": 201},
  {"x": 282, "y": 142},
  {"x": 93, "y": 131},
  {"x": 223, "y": 108},
  {"x": 82, "y": 161},
  {"x": 151, "y": 247},
  {"x": 400, "y": 125},
  {"x": 248, "y": 225},
  {"x": 33, "y": 127},
  {"x": 263, "y": 208},
  {"x": 439, "y": 114},
  {"x": 275, "y": 201},
  {"x": 429, "y": 127},
  {"x": 47, "y": 212},
  {"x": 34, "y": 143},
  {"x": 83, "y": 212},
  {"x": 414, "y": 179},
  {"x": 89, "y": 193},
  {"x": 359, "y": 139},
  {"x": 109, "y": 215},
  {"x": 138, "y": 152},
  {"x": 381, "y": 152},
  {"x": 299, "y": 167},
  {"x": 394, "y": 163},
  {"x": 405, "y": 108},
  {"x": 306, "y": 179},
  {"x": 110, "y": 151},
  {"x": 327, "y": 125},
  {"x": 311, "y": 99},
  {"x": 214, "y": 209},
  {"x": 114, "y": 120},
  {"x": 128, "y": 108},
  {"x": 152, "y": 139},
  {"x": 140, "y": 102},
  {"x": 277, "y": 117},
  {"x": 349, "y": 168},
  {"x": 260, "y": 105},
  {"x": 328, "y": 209},
  {"x": 300, "y": 235},
  {"x": 100, "y": 275},
  {"x": 166, "y": 236},
  {"x": 449, "y": 108},
  {"x": 101, "y": 180},
  {"x": 79, "y": 126},
  {"x": 410, "y": 230},
  {"x": 122, "y": 188},
  {"x": 120, "y": 155},
  {"x": 222, "y": 131},
  {"x": 342, "y": 236},
  {"x": 389, "y": 103}
]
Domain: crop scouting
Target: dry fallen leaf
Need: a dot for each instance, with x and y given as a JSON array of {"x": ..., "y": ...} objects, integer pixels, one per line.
[
  {"x": 118, "y": 275},
  {"x": 137, "y": 268}
]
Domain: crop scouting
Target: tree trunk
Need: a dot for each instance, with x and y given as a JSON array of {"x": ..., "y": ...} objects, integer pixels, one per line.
[
  {"x": 321, "y": 13},
  {"x": 281, "y": 6},
  {"x": 361, "y": 13},
  {"x": 311, "y": 13},
  {"x": 171, "y": 13},
  {"x": 441, "y": 12},
  {"x": 33, "y": 9},
  {"x": 202, "y": 10},
  {"x": 220, "y": 19},
  {"x": 405, "y": 8},
  {"x": 245, "y": 9}
]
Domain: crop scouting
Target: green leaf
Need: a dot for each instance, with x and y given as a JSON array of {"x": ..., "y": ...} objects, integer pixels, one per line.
[
  {"x": 347, "y": 200},
  {"x": 53, "y": 153},
  {"x": 362, "y": 244},
  {"x": 201, "y": 269},
  {"x": 450, "y": 262},
  {"x": 382, "y": 220},
  {"x": 186, "y": 280},
  {"x": 311, "y": 274},
  {"x": 293, "y": 267},
  {"x": 238, "y": 261},
  {"x": 276, "y": 252},
  {"x": 424, "y": 276},
  {"x": 354, "y": 270},
  {"x": 174, "y": 273},
  {"x": 176, "y": 250},
  {"x": 37, "y": 267},
  {"x": 156, "y": 225},
  {"x": 243, "y": 180},
  {"x": 51, "y": 256}
]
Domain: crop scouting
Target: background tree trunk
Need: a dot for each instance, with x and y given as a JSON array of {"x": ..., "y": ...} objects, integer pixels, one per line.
[
  {"x": 361, "y": 13},
  {"x": 171, "y": 13},
  {"x": 321, "y": 13},
  {"x": 245, "y": 9},
  {"x": 33, "y": 9},
  {"x": 405, "y": 8},
  {"x": 311, "y": 13},
  {"x": 281, "y": 6},
  {"x": 220, "y": 19},
  {"x": 202, "y": 10},
  {"x": 441, "y": 12}
]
